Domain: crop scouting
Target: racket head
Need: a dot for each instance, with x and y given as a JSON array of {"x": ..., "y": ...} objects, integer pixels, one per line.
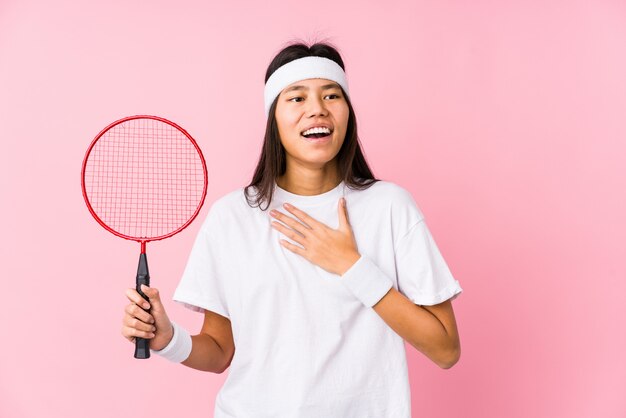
[{"x": 144, "y": 178}]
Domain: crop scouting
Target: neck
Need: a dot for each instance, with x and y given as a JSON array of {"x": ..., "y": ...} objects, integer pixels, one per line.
[{"x": 307, "y": 182}]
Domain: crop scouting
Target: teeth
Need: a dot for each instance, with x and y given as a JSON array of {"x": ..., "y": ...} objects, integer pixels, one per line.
[{"x": 320, "y": 130}]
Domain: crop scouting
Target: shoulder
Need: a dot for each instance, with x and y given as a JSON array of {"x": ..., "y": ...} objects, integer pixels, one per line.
[
  {"x": 392, "y": 190},
  {"x": 224, "y": 206},
  {"x": 229, "y": 201},
  {"x": 389, "y": 193},
  {"x": 392, "y": 201}
]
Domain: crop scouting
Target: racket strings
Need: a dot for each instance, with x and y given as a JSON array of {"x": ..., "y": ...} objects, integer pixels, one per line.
[{"x": 144, "y": 178}]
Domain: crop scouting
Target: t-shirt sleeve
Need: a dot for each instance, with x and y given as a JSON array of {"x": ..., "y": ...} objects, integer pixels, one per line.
[
  {"x": 202, "y": 284},
  {"x": 423, "y": 275}
]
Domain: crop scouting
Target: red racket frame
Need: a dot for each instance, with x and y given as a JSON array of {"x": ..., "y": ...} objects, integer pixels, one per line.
[{"x": 143, "y": 241}]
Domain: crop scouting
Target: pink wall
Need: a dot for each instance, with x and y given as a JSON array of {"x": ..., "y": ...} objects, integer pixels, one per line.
[{"x": 504, "y": 119}]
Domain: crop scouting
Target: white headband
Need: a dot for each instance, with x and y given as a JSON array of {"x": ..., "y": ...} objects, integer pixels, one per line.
[{"x": 302, "y": 69}]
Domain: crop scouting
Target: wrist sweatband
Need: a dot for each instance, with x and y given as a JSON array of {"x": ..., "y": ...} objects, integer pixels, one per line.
[
  {"x": 302, "y": 69},
  {"x": 366, "y": 281},
  {"x": 179, "y": 347}
]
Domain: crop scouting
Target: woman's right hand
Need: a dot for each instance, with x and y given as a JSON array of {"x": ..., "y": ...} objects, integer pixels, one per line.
[{"x": 154, "y": 325}]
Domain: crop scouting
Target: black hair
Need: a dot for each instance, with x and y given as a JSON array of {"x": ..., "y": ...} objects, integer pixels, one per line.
[{"x": 353, "y": 169}]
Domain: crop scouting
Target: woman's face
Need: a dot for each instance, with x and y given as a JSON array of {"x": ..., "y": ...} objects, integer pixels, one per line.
[{"x": 314, "y": 103}]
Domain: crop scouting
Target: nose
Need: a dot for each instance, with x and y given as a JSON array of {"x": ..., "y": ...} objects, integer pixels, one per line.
[{"x": 316, "y": 106}]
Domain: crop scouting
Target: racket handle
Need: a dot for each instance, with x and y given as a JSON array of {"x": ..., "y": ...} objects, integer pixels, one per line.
[{"x": 142, "y": 345}]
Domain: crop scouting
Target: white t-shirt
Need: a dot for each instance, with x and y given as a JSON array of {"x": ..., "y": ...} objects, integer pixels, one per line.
[{"x": 307, "y": 343}]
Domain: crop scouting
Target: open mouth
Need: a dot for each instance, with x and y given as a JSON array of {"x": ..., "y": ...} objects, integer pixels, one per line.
[{"x": 316, "y": 133}]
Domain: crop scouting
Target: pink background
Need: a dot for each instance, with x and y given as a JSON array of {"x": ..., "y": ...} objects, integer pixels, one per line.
[{"x": 504, "y": 119}]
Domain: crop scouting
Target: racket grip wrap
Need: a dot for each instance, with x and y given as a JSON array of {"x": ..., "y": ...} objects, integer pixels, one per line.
[
  {"x": 142, "y": 345},
  {"x": 179, "y": 347}
]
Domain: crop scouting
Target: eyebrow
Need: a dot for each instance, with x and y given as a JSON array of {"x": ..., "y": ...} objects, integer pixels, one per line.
[{"x": 299, "y": 87}]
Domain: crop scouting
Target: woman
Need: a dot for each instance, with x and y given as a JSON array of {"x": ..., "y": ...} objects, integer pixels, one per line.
[{"x": 308, "y": 306}]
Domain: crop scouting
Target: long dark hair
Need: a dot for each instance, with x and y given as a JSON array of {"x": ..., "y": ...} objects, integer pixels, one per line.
[{"x": 272, "y": 164}]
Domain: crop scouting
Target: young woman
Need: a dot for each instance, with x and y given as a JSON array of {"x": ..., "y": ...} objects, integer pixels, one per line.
[{"x": 310, "y": 298}]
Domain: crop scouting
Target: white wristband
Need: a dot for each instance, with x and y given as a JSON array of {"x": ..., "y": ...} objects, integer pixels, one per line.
[
  {"x": 366, "y": 281},
  {"x": 179, "y": 347}
]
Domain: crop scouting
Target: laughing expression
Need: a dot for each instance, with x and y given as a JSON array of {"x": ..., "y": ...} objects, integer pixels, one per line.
[{"x": 312, "y": 119}]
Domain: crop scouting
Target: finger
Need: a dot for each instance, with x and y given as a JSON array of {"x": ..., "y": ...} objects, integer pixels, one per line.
[
  {"x": 138, "y": 324},
  {"x": 292, "y": 247},
  {"x": 136, "y": 312},
  {"x": 155, "y": 298},
  {"x": 128, "y": 337},
  {"x": 303, "y": 216},
  {"x": 291, "y": 222},
  {"x": 344, "y": 221},
  {"x": 133, "y": 332},
  {"x": 288, "y": 232},
  {"x": 136, "y": 298}
]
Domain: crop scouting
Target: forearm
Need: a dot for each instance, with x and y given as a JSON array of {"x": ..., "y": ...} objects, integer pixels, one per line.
[
  {"x": 418, "y": 327},
  {"x": 206, "y": 355}
]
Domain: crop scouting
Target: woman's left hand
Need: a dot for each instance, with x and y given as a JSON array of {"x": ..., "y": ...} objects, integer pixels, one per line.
[{"x": 334, "y": 250}]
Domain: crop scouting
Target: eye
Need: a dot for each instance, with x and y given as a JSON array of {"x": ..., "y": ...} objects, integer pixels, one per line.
[
  {"x": 295, "y": 99},
  {"x": 336, "y": 96}
]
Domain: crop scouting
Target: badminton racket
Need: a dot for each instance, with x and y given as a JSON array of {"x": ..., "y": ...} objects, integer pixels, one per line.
[{"x": 144, "y": 179}]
